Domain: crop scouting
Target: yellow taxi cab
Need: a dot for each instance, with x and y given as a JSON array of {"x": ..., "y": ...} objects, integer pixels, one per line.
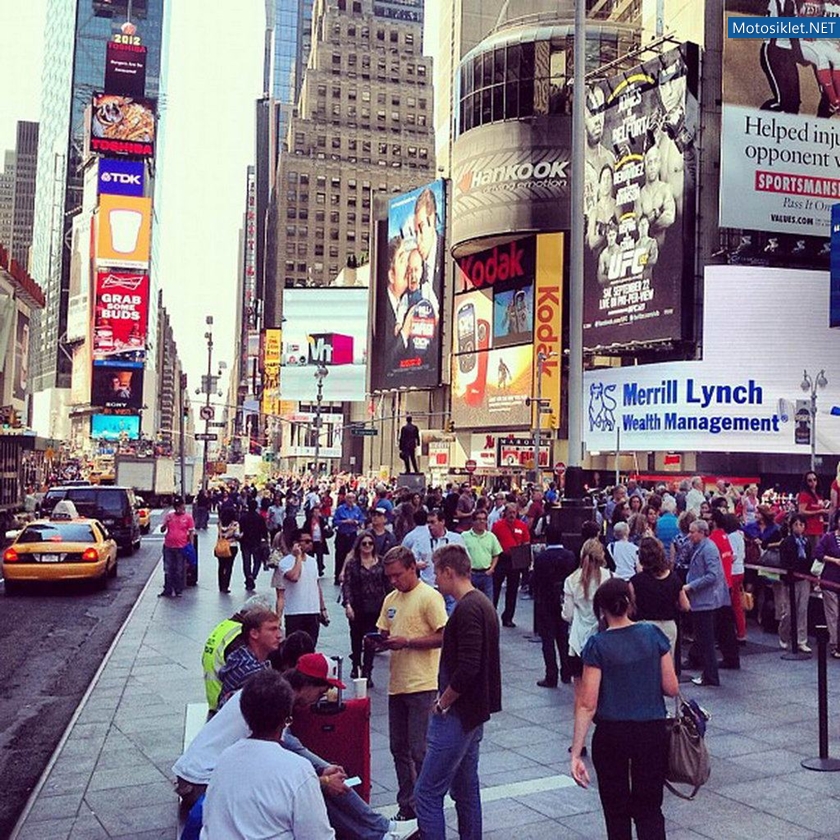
[
  {"x": 60, "y": 548},
  {"x": 144, "y": 514}
]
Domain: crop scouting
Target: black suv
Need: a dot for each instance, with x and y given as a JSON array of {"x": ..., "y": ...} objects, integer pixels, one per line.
[{"x": 114, "y": 507}]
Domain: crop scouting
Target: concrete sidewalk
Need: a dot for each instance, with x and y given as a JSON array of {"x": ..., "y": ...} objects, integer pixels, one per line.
[{"x": 111, "y": 776}]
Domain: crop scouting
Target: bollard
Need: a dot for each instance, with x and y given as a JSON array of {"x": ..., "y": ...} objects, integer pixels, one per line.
[
  {"x": 794, "y": 654},
  {"x": 823, "y": 763}
]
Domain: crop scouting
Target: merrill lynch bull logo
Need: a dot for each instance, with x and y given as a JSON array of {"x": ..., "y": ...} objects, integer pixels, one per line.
[{"x": 602, "y": 405}]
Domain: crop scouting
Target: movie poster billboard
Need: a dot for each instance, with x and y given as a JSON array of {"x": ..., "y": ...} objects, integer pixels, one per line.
[
  {"x": 20, "y": 385},
  {"x": 324, "y": 327},
  {"x": 639, "y": 198},
  {"x": 117, "y": 387},
  {"x": 779, "y": 148},
  {"x": 406, "y": 342},
  {"x": 121, "y": 317},
  {"x": 272, "y": 350},
  {"x": 124, "y": 231},
  {"x": 489, "y": 387},
  {"x": 122, "y": 125}
]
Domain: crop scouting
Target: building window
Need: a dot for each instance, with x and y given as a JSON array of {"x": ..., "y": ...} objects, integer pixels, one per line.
[
  {"x": 320, "y": 198},
  {"x": 351, "y": 144},
  {"x": 319, "y": 250},
  {"x": 291, "y": 212},
  {"x": 301, "y": 267},
  {"x": 291, "y": 177},
  {"x": 380, "y": 34},
  {"x": 303, "y": 213},
  {"x": 351, "y": 183},
  {"x": 334, "y": 234},
  {"x": 351, "y": 94},
  {"x": 336, "y": 142},
  {"x": 409, "y": 39},
  {"x": 333, "y": 252},
  {"x": 336, "y": 59},
  {"x": 394, "y": 36},
  {"x": 319, "y": 215}
]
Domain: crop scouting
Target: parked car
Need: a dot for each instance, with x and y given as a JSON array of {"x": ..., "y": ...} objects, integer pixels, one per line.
[{"x": 114, "y": 507}]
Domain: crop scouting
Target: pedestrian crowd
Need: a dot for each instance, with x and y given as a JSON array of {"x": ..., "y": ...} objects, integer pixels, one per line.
[{"x": 663, "y": 582}]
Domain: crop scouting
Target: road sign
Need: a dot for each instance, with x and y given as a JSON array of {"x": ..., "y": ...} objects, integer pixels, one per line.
[
  {"x": 206, "y": 412},
  {"x": 559, "y": 468},
  {"x": 545, "y": 409},
  {"x": 217, "y": 424},
  {"x": 361, "y": 431},
  {"x": 207, "y": 436},
  {"x": 471, "y": 466}
]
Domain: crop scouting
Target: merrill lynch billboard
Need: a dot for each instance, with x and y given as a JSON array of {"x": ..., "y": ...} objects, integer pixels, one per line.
[
  {"x": 727, "y": 402},
  {"x": 512, "y": 176}
]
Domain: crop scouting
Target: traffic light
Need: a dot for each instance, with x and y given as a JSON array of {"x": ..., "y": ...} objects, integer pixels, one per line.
[
  {"x": 450, "y": 425},
  {"x": 552, "y": 421}
]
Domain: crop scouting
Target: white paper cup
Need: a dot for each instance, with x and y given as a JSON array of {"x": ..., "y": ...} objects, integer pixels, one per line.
[
  {"x": 360, "y": 687},
  {"x": 125, "y": 229}
]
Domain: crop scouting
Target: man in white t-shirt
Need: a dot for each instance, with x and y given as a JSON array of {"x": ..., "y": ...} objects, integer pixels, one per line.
[
  {"x": 299, "y": 596},
  {"x": 695, "y": 497},
  {"x": 258, "y": 788}
]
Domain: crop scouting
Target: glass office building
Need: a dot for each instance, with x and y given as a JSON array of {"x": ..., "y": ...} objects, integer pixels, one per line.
[{"x": 74, "y": 67}]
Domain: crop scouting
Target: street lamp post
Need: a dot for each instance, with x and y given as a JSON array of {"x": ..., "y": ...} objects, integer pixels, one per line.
[
  {"x": 320, "y": 375},
  {"x": 208, "y": 388},
  {"x": 813, "y": 384}
]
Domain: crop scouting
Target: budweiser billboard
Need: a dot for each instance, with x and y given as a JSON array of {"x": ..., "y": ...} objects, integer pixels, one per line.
[{"x": 120, "y": 322}]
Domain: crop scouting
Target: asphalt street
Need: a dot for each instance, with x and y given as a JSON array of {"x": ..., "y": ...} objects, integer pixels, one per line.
[{"x": 52, "y": 640}]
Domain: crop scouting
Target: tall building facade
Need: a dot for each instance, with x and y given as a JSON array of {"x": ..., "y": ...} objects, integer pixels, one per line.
[
  {"x": 26, "y": 164},
  {"x": 7, "y": 199},
  {"x": 363, "y": 125},
  {"x": 75, "y": 39}
]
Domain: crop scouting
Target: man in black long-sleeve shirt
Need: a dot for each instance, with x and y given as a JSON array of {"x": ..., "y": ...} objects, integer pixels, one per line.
[
  {"x": 470, "y": 690},
  {"x": 253, "y": 531}
]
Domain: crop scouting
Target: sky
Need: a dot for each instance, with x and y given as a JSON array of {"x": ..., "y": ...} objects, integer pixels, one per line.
[
  {"x": 215, "y": 76},
  {"x": 214, "y": 79}
]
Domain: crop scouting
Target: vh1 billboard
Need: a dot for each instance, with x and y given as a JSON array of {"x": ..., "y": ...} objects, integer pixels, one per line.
[
  {"x": 406, "y": 334},
  {"x": 507, "y": 310},
  {"x": 121, "y": 316},
  {"x": 122, "y": 125},
  {"x": 639, "y": 203}
]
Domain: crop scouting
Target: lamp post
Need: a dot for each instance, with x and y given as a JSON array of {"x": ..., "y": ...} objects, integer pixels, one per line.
[
  {"x": 321, "y": 373},
  {"x": 813, "y": 384},
  {"x": 208, "y": 387}
]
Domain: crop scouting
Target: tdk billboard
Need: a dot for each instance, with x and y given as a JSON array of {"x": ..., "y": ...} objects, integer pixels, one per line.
[{"x": 121, "y": 177}]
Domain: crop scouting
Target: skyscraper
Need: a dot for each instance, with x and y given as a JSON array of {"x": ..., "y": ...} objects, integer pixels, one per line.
[
  {"x": 75, "y": 39},
  {"x": 7, "y": 199},
  {"x": 26, "y": 163},
  {"x": 363, "y": 125}
]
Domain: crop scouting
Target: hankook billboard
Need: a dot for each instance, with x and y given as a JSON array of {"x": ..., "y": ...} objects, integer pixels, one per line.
[
  {"x": 406, "y": 335},
  {"x": 511, "y": 176},
  {"x": 639, "y": 201}
]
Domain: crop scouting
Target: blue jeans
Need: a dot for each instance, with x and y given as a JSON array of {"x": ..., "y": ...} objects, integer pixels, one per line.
[
  {"x": 173, "y": 571},
  {"x": 353, "y": 819},
  {"x": 251, "y": 563},
  {"x": 483, "y": 583},
  {"x": 451, "y": 765}
]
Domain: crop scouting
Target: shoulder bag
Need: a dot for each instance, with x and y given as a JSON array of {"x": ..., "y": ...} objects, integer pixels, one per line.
[
  {"x": 688, "y": 758},
  {"x": 223, "y": 549}
]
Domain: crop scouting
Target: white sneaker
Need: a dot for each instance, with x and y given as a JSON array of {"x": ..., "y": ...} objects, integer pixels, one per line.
[
  {"x": 804, "y": 649},
  {"x": 401, "y": 830},
  {"x": 783, "y": 645}
]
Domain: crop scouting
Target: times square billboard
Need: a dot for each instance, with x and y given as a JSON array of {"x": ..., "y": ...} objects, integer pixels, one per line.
[
  {"x": 507, "y": 309},
  {"x": 406, "y": 329},
  {"x": 779, "y": 142},
  {"x": 639, "y": 203},
  {"x": 122, "y": 125}
]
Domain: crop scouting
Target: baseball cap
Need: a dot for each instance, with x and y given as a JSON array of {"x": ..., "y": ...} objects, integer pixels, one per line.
[
  {"x": 317, "y": 666},
  {"x": 381, "y": 511}
]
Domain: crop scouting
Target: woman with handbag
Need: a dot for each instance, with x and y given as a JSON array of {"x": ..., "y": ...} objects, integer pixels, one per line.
[
  {"x": 626, "y": 670},
  {"x": 226, "y": 547},
  {"x": 362, "y": 592}
]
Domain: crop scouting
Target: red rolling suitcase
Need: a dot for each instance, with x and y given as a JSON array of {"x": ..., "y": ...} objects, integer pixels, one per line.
[{"x": 339, "y": 732}]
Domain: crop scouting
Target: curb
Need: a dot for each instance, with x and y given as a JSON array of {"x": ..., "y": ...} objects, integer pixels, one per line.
[{"x": 30, "y": 802}]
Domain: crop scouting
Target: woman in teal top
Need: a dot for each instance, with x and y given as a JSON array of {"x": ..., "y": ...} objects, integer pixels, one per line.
[{"x": 626, "y": 670}]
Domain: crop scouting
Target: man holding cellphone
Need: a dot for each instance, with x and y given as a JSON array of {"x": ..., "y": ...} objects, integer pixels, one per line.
[
  {"x": 299, "y": 593},
  {"x": 411, "y": 624}
]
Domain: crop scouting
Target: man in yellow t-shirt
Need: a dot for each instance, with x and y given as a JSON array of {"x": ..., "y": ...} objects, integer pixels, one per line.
[{"x": 411, "y": 625}]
